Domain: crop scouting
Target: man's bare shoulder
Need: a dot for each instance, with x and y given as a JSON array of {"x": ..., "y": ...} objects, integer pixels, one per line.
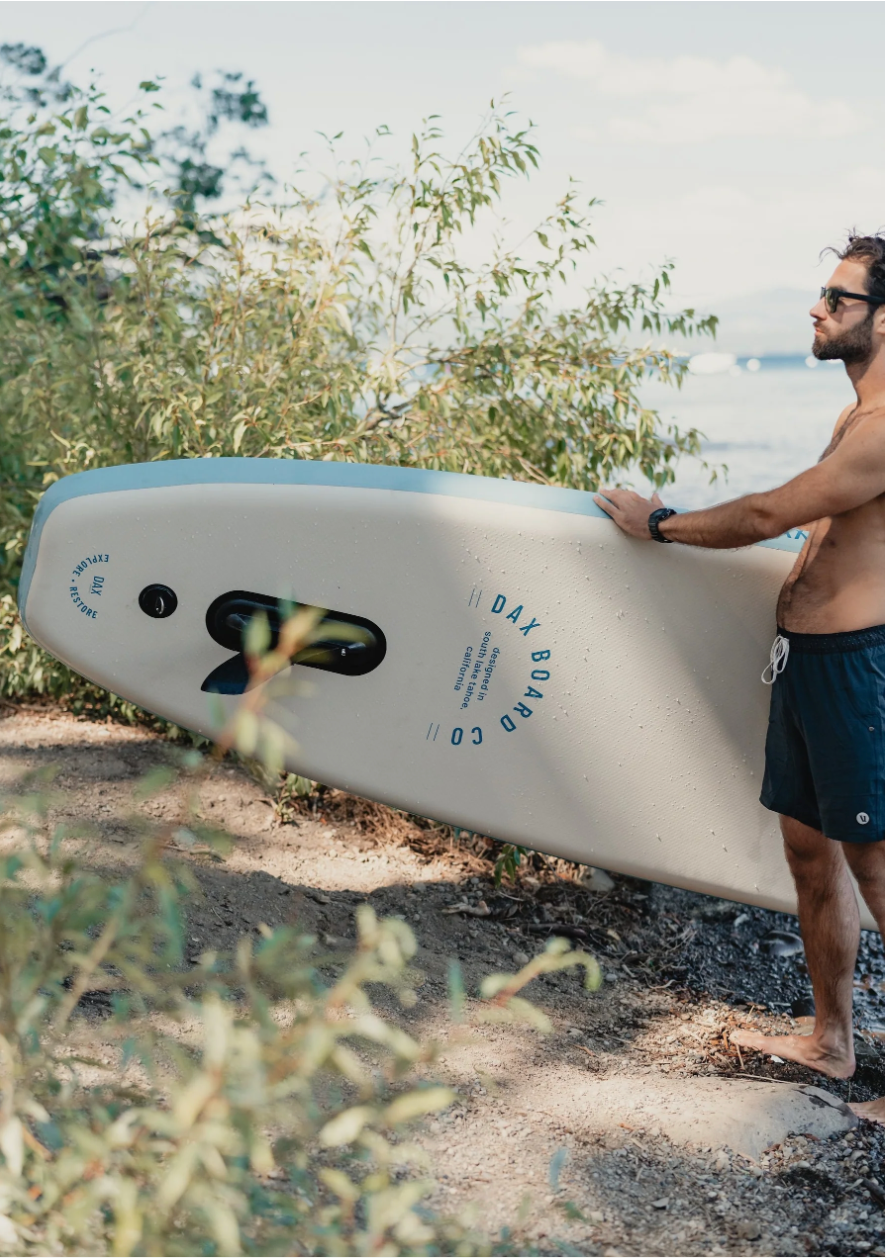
[
  {"x": 865, "y": 426},
  {"x": 842, "y": 417}
]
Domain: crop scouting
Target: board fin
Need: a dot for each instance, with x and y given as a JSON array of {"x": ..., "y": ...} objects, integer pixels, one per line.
[{"x": 230, "y": 678}]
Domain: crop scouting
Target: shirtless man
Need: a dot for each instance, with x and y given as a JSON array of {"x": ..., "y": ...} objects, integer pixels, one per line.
[{"x": 824, "y": 748}]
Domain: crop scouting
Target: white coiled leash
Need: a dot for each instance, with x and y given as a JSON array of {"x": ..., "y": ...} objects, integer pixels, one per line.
[{"x": 778, "y": 659}]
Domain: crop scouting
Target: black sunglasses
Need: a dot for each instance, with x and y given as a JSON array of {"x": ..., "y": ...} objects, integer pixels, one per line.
[{"x": 832, "y": 297}]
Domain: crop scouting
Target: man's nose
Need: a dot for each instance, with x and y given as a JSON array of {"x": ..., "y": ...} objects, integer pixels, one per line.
[{"x": 819, "y": 310}]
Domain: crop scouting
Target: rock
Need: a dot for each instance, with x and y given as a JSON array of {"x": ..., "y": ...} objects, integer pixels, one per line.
[
  {"x": 782, "y": 943},
  {"x": 184, "y": 838},
  {"x": 748, "y": 1230},
  {"x": 661, "y": 1204},
  {"x": 747, "y": 1116},
  {"x": 596, "y": 880},
  {"x": 875, "y": 1190},
  {"x": 866, "y": 1053},
  {"x": 714, "y": 910}
]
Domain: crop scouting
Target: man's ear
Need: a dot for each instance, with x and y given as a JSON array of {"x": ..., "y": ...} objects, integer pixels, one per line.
[{"x": 880, "y": 320}]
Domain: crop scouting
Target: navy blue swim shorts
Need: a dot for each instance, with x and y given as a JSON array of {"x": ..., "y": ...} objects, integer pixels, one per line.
[{"x": 824, "y": 747}]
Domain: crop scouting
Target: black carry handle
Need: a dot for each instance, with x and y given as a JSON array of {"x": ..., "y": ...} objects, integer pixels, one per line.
[{"x": 350, "y": 645}]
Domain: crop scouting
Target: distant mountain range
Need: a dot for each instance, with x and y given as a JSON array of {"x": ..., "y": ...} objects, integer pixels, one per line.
[{"x": 773, "y": 322}]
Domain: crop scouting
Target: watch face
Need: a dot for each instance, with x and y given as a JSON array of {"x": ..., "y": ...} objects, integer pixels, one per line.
[{"x": 660, "y": 513}]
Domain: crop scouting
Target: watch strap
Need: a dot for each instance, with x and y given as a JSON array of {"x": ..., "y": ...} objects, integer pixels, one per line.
[{"x": 659, "y": 514}]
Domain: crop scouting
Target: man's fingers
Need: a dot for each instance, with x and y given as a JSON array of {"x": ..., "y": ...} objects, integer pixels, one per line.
[
  {"x": 621, "y": 497},
  {"x": 606, "y": 506}
]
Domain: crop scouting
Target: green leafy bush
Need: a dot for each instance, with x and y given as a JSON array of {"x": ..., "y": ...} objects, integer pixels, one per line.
[
  {"x": 345, "y": 322},
  {"x": 252, "y": 1103}
]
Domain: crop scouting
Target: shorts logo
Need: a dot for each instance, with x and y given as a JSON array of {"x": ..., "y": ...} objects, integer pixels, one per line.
[{"x": 862, "y": 818}]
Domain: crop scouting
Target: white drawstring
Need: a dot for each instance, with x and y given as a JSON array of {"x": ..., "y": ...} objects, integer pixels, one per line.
[{"x": 778, "y": 659}]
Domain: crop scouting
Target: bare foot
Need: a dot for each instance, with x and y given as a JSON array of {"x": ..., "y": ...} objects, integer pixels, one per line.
[
  {"x": 804, "y": 1049},
  {"x": 871, "y": 1110}
]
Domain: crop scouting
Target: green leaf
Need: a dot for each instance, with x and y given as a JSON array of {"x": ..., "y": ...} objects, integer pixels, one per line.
[
  {"x": 239, "y": 432},
  {"x": 154, "y": 781},
  {"x": 257, "y": 638},
  {"x": 346, "y": 1126},
  {"x": 555, "y": 1167},
  {"x": 456, "y": 990},
  {"x": 417, "y": 1104}
]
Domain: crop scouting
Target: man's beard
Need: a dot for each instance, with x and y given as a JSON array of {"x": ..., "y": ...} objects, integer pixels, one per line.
[{"x": 852, "y": 346}]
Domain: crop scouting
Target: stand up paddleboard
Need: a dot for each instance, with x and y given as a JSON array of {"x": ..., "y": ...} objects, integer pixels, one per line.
[{"x": 493, "y": 654}]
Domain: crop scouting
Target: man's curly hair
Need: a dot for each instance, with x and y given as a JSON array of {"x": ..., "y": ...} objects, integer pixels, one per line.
[{"x": 867, "y": 249}]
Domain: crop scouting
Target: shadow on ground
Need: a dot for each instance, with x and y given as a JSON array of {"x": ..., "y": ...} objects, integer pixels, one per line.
[{"x": 680, "y": 971}]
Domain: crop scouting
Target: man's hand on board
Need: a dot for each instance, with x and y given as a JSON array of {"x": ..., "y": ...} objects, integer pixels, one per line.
[{"x": 629, "y": 511}]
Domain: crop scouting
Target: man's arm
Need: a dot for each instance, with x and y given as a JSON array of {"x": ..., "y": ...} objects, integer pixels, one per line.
[{"x": 850, "y": 477}]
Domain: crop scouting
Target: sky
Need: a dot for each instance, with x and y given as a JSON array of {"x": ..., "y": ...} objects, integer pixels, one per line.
[{"x": 735, "y": 138}]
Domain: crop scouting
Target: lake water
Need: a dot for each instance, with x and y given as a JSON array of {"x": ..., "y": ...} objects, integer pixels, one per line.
[{"x": 766, "y": 425}]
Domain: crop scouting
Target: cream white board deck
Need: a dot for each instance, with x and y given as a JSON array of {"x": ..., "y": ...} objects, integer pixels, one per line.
[{"x": 629, "y": 672}]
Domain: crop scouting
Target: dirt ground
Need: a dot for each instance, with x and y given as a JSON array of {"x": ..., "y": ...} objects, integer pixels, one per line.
[{"x": 527, "y": 1140}]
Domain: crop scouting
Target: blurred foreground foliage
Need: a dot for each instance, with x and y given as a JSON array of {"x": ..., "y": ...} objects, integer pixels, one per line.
[
  {"x": 255, "y": 1102},
  {"x": 247, "y": 1103},
  {"x": 347, "y": 319}
]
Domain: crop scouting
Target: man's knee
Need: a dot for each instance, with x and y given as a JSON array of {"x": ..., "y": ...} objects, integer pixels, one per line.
[
  {"x": 808, "y": 851},
  {"x": 865, "y": 860}
]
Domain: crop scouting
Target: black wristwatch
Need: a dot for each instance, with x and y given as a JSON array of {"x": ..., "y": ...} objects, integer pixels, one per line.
[{"x": 661, "y": 513}]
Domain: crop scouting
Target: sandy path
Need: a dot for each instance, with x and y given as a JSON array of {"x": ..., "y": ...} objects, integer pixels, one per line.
[{"x": 524, "y": 1098}]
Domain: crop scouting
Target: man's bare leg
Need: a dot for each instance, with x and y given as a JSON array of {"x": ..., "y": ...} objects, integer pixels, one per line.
[
  {"x": 829, "y": 926},
  {"x": 866, "y": 862}
]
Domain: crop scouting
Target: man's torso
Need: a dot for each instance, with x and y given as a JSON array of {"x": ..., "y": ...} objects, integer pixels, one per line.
[{"x": 837, "y": 583}]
